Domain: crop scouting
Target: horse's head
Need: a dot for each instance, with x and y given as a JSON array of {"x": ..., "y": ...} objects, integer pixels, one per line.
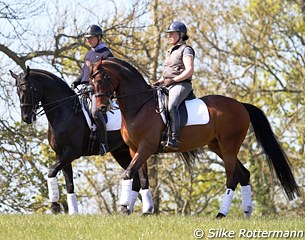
[
  {"x": 102, "y": 85},
  {"x": 26, "y": 93}
]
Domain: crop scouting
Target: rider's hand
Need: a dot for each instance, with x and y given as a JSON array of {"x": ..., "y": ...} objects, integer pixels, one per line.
[
  {"x": 168, "y": 82},
  {"x": 89, "y": 88},
  {"x": 158, "y": 83},
  {"x": 74, "y": 84}
]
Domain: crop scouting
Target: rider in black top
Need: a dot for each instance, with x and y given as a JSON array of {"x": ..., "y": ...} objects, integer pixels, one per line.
[{"x": 98, "y": 51}]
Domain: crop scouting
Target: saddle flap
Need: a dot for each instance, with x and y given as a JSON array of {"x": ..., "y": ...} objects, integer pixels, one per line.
[{"x": 193, "y": 111}]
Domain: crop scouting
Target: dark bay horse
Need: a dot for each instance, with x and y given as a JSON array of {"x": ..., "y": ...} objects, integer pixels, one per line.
[
  {"x": 224, "y": 134},
  {"x": 68, "y": 134}
]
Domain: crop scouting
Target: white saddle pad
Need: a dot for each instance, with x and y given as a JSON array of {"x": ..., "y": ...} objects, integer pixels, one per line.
[
  {"x": 114, "y": 120},
  {"x": 197, "y": 112}
]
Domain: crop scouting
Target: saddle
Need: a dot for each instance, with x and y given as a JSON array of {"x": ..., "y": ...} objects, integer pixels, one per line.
[
  {"x": 112, "y": 119},
  {"x": 162, "y": 100},
  {"x": 93, "y": 139},
  {"x": 193, "y": 111}
]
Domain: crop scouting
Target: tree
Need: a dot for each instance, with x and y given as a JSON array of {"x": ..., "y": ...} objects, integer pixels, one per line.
[{"x": 253, "y": 52}]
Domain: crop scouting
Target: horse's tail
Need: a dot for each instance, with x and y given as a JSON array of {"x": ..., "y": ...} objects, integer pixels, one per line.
[
  {"x": 189, "y": 158},
  {"x": 276, "y": 157}
]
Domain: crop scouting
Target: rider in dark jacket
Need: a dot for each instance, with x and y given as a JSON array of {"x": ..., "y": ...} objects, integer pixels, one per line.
[{"x": 98, "y": 51}]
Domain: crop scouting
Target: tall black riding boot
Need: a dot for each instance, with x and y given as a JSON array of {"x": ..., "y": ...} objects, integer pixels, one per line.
[
  {"x": 173, "y": 142},
  {"x": 102, "y": 132}
]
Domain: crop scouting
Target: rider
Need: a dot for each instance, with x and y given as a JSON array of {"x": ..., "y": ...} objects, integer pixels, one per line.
[
  {"x": 177, "y": 75},
  {"x": 98, "y": 51}
]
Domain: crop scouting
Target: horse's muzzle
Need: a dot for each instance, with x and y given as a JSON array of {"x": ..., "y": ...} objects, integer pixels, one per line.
[{"x": 28, "y": 118}]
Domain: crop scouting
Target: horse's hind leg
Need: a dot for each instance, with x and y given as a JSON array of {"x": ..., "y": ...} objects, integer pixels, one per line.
[
  {"x": 241, "y": 175},
  {"x": 232, "y": 180},
  {"x": 246, "y": 194},
  {"x": 71, "y": 196}
]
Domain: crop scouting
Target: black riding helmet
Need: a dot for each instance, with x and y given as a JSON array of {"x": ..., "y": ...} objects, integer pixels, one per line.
[
  {"x": 93, "y": 31},
  {"x": 180, "y": 27}
]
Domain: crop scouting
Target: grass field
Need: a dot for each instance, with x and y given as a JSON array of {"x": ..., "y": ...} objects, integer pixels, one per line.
[{"x": 161, "y": 227}]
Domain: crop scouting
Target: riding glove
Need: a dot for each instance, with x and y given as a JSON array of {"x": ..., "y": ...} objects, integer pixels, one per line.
[{"x": 75, "y": 84}]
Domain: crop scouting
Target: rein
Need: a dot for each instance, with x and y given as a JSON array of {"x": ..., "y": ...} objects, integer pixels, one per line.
[
  {"x": 159, "y": 109},
  {"x": 137, "y": 106},
  {"x": 62, "y": 101},
  {"x": 35, "y": 106},
  {"x": 108, "y": 94}
]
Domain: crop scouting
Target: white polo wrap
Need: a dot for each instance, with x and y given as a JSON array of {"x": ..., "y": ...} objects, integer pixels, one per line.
[
  {"x": 226, "y": 201},
  {"x": 246, "y": 200},
  {"x": 53, "y": 189},
  {"x": 126, "y": 187},
  {"x": 134, "y": 196},
  {"x": 72, "y": 203},
  {"x": 147, "y": 200}
]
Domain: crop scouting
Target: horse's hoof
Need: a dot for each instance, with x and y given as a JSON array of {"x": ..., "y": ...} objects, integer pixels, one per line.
[
  {"x": 220, "y": 216},
  {"x": 125, "y": 211},
  {"x": 148, "y": 212},
  {"x": 247, "y": 215},
  {"x": 144, "y": 214},
  {"x": 55, "y": 207}
]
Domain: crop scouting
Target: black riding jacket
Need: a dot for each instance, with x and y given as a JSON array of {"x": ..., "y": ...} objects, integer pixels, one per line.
[{"x": 92, "y": 56}]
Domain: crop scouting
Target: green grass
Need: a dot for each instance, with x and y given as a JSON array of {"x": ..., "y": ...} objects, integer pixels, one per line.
[{"x": 161, "y": 227}]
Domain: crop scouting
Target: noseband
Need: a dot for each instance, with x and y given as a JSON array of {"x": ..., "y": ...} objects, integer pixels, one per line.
[{"x": 33, "y": 99}]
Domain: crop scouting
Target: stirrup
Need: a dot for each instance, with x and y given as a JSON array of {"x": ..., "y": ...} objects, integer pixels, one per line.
[
  {"x": 172, "y": 144},
  {"x": 103, "y": 149}
]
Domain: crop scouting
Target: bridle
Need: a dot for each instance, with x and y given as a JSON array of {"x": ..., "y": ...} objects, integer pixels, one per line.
[
  {"x": 29, "y": 91},
  {"x": 107, "y": 81},
  {"x": 34, "y": 102}
]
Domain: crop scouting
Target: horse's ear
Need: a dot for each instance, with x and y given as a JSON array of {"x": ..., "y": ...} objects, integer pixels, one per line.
[
  {"x": 27, "y": 70},
  {"x": 13, "y": 74},
  {"x": 88, "y": 63}
]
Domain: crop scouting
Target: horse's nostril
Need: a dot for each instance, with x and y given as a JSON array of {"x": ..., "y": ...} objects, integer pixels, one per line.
[{"x": 27, "y": 119}]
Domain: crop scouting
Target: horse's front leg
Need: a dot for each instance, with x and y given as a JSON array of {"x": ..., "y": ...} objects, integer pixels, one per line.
[
  {"x": 126, "y": 185},
  {"x": 63, "y": 161},
  {"x": 147, "y": 199},
  {"x": 53, "y": 187},
  {"x": 71, "y": 196},
  {"x": 140, "y": 185}
]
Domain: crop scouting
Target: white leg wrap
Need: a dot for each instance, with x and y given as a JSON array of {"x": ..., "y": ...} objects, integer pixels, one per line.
[
  {"x": 246, "y": 200},
  {"x": 134, "y": 196},
  {"x": 126, "y": 188},
  {"x": 53, "y": 189},
  {"x": 72, "y": 203},
  {"x": 147, "y": 200},
  {"x": 226, "y": 201}
]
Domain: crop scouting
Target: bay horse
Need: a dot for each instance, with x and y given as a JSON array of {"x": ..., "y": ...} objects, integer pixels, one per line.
[
  {"x": 68, "y": 135},
  {"x": 142, "y": 128}
]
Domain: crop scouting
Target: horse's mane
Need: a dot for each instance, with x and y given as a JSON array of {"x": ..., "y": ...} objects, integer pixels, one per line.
[
  {"x": 127, "y": 67},
  {"x": 53, "y": 76}
]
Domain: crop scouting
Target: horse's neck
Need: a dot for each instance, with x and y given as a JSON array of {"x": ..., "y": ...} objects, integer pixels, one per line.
[{"x": 52, "y": 104}]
